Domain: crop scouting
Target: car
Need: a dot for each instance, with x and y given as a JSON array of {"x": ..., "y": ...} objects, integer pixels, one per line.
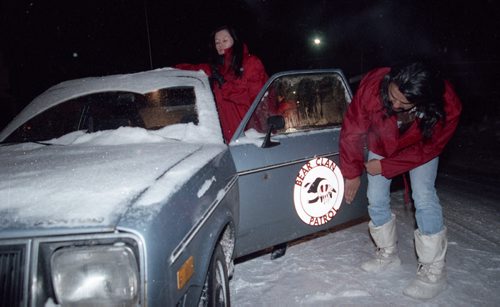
[{"x": 120, "y": 190}]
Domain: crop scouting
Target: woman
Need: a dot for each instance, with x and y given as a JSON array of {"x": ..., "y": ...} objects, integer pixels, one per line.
[
  {"x": 405, "y": 116},
  {"x": 236, "y": 77}
]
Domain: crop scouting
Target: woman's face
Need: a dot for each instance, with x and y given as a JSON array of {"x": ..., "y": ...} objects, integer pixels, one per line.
[
  {"x": 223, "y": 41},
  {"x": 398, "y": 100}
]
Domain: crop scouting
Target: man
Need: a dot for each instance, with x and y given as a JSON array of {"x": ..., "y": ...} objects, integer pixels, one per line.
[{"x": 405, "y": 116}]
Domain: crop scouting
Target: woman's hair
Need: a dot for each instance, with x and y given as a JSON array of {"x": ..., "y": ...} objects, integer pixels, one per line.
[
  {"x": 421, "y": 83},
  {"x": 236, "y": 55}
]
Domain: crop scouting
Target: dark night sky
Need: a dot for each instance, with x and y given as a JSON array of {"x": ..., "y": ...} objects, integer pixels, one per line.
[{"x": 44, "y": 42}]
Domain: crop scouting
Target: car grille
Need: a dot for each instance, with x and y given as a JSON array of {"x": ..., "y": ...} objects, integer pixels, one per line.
[{"x": 12, "y": 261}]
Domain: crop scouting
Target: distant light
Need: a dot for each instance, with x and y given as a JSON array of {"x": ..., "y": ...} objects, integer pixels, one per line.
[
  {"x": 75, "y": 54},
  {"x": 317, "y": 41}
]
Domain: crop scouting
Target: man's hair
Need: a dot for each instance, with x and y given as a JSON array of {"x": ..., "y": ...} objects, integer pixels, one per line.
[
  {"x": 237, "y": 51},
  {"x": 421, "y": 83}
]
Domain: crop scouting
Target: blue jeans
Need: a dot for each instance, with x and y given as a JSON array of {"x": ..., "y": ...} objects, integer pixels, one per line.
[{"x": 429, "y": 214}]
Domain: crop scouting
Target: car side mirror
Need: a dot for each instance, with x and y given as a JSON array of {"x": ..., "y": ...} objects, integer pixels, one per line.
[{"x": 275, "y": 122}]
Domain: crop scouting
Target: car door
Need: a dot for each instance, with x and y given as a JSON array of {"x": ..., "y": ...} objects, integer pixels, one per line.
[{"x": 286, "y": 152}]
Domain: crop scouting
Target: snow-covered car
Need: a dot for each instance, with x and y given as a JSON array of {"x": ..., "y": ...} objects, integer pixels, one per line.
[{"x": 120, "y": 191}]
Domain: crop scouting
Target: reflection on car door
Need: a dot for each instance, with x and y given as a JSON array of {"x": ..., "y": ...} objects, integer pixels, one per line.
[{"x": 295, "y": 187}]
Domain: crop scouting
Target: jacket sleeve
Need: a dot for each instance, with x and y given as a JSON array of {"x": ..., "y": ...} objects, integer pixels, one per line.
[
  {"x": 195, "y": 67},
  {"x": 355, "y": 128},
  {"x": 426, "y": 150}
]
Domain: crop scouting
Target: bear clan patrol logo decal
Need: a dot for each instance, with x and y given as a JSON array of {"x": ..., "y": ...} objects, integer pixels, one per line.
[{"x": 318, "y": 191}]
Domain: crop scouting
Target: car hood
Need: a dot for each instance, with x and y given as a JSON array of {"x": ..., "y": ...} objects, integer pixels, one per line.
[{"x": 88, "y": 184}]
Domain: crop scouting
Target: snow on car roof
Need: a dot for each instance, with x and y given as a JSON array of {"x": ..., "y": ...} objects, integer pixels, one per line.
[{"x": 141, "y": 82}]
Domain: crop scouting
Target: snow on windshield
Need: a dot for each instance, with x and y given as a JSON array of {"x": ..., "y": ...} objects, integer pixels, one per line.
[
  {"x": 142, "y": 83},
  {"x": 91, "y": 178}
]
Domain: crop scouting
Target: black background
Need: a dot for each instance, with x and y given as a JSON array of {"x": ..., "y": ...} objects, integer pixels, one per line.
[{"x": 46, "y": 42}]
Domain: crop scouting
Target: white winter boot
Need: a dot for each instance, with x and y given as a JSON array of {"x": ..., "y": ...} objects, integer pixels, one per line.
[
  {"x": 431, "y": 273},
  {"x": 386, "y": 255}
]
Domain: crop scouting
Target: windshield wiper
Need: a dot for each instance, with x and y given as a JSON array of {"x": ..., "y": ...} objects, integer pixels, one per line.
[
  {"x": 20, "y": 142},
  {"x": 42, "y": 143}
]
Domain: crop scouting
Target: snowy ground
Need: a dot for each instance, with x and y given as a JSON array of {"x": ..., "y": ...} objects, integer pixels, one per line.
[{"x": 324, "y": 270}]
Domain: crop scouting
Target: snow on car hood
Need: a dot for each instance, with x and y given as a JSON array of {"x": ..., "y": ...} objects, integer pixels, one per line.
[{"x": 92, "y": 179}]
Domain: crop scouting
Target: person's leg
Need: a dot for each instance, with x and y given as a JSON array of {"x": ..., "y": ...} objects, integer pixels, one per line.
[
  {"x": 429, "y": 214},
  {"x": 379, "y": 199},
  {"x": 382, "y": 225},
  {"x": 431, "y": 271},
  {"x": 430, "y": 237}
]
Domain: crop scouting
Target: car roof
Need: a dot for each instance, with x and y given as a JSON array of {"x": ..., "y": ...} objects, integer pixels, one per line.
[{"x": 140, "y": 82}]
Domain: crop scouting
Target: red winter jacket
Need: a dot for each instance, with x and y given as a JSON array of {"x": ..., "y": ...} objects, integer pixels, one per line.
[
  {"x": 365, "y": 122},
  {"x": 236, "y": 95}
]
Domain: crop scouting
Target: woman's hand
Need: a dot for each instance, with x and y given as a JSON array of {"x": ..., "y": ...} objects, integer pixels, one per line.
[
  {"x": 351, "y": 188},
  {"x": 373, "y": 167}
]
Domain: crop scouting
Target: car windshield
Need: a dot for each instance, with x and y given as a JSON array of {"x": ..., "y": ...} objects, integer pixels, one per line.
[{"x": 111, "y": 110}]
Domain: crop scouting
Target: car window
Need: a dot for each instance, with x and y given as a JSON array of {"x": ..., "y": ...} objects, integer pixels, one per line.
[
  {"x": 111, "y": 110},
  {"x": 305, "y": 101},
  {"x": 169, "y": 106},
  {"x": 53, "y": 123}
]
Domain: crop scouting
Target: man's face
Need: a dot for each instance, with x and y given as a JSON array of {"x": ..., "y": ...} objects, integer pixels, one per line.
[
  {"x": 398, "y": 100},
  {"x": 223, "y": 41}
]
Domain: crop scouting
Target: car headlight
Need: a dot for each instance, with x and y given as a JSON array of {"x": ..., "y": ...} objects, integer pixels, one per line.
[{"x": 98, "y": 275}]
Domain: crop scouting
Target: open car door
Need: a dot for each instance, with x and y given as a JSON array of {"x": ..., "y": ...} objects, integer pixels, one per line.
[{"x": 286, "y": 152}]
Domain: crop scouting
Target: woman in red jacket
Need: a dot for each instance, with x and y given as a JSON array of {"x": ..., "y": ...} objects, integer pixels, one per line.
[
  {"x": 236, "y": 77},
  {"x": 405, "y": 116}
]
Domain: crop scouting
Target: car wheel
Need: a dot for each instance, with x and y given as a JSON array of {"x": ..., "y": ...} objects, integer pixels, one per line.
[{"x": 215, "y": 291}]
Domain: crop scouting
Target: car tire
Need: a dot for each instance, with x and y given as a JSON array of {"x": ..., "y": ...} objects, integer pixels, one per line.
[{"x": 215, "y": 291}]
